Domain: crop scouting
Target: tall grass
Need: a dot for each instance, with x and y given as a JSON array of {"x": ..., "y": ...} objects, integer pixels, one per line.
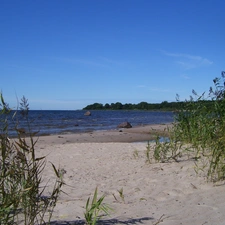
[
  {"x": 22, "y": 199},
  {"x": 200, "y": 126}
]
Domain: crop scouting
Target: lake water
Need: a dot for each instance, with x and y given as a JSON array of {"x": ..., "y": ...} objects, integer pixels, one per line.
[{"x": 49, "y": 122}]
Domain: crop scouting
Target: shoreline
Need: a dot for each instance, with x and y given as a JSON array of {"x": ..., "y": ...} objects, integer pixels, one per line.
[
  {"x": 47, "y": 123},
  {"x": 122, "y": 135}
]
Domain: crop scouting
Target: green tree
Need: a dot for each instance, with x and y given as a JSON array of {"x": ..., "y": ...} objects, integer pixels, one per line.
[
  {"x": 143, "y": 105},
  {"x": 117, "y": 106},
  {"x": 107, "y": 106}
]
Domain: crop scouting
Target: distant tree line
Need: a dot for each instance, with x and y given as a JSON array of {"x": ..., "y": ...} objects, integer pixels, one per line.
[{"x": 163, "y": 106}]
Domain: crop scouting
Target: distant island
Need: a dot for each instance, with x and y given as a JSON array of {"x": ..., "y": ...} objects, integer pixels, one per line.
[
  {"x": 163, "y": 106},
  {"x": 129, "y": 106}
]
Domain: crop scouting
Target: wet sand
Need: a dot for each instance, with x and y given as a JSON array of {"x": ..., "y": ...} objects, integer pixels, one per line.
[{"x": 127, "y": 135}]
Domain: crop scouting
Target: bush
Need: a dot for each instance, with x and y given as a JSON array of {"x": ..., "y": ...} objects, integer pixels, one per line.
[
  {"x": 22, "y": 199},
  {"x": 200, "y": 126}
]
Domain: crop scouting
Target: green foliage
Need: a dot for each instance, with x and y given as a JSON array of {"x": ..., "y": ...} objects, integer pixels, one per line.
[
  {"x": 166, "y": 106},
  {"x": 94, "y": 208},
  {"x": 121, "y": 194},
  {"x": 94, "y": 106},
  {"x": 167, "y": 150},
  {"x": 22, "y": 197},
  {"x": 148, "y": 151},
  {"x": 200, "y": 125}
]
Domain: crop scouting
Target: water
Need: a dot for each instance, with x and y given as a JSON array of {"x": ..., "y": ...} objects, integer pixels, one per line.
[{"x": 48, "y": 122}]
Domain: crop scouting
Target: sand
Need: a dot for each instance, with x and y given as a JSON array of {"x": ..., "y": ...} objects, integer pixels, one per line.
[
  {"x": 157, "y": 193},
  {"x": 134, "y": 134}
]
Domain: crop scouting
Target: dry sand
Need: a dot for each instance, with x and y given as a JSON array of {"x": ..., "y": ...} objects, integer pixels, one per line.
[{"x": 168, "y": 193}]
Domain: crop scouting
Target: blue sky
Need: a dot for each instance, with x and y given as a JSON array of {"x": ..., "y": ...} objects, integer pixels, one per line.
[{"x": 71, "y": 53}]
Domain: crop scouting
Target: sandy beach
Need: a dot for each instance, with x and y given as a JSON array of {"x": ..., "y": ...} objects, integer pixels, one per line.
[
  {"x": 157, "y": 193},
  {"x": 134, "y": 134}
]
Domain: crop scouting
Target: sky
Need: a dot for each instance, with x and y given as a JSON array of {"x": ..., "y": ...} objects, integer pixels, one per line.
[{"x": 67, "y": 54}]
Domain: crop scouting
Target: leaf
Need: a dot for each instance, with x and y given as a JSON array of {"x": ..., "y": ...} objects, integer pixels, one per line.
[
  {"x": 56, "y": 171},
  {"x": 40, "y": 158}
]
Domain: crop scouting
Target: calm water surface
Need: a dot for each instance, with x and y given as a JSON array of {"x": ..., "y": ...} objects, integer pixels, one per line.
[{"x": 49, "y": 122}]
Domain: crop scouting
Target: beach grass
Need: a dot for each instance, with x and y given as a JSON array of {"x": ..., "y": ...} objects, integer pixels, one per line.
[
  {"x": 22, "y": 193},
  {"x": 95, "y": 208},
  {"x": 199, "y": 131}
]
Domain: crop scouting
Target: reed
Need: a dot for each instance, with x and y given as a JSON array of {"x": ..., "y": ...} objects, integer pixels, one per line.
[
  {"x": 94, "y": 209},
  {"x": 22, "y": 199},
  {"x": 199, "y": 130}
]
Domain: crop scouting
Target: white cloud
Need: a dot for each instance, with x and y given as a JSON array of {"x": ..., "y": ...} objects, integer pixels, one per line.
[
  {"x": 189, "y": 61},
  {"x": 186, "y": 65}
]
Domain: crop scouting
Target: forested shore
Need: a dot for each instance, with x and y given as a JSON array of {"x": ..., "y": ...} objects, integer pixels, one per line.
[{"x": 164, "y": 106}]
